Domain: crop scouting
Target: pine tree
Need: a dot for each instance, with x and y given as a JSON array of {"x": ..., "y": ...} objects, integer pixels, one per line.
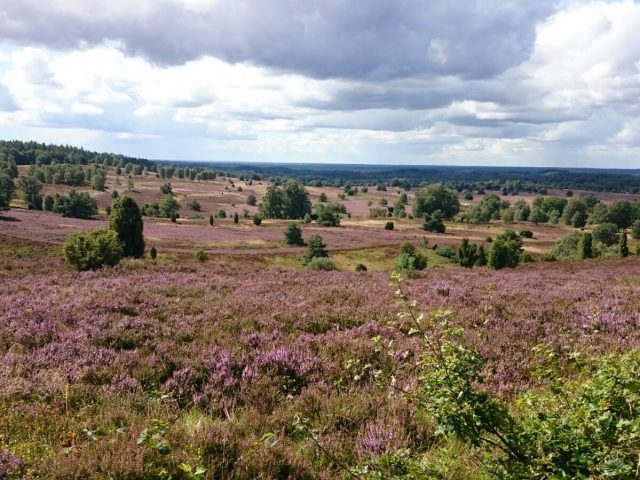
[
  {"x": 317, "y": 249},
  {"x": 236, "y": 219},
  {"x": 211, "y": 219}
]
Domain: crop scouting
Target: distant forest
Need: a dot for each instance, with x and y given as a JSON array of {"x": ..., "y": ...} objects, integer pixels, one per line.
[{"x": 509, "y": 180}]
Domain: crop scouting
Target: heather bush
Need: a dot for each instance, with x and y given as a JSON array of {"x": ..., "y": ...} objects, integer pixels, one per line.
[
  {"x": 93, "y": 249},
  {"x": 321, "y": 263}
]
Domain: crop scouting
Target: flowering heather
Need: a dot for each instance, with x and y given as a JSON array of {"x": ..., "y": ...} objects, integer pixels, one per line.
[{"x": 230, "y": 355}]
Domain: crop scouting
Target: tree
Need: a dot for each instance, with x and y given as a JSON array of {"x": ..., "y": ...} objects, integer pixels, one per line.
[
  {"x": 257, "y": 220},
  {"x": 599, "y": 214},
  {"x": 236, "y": 219},
  {"x": 506, "y": 250},
  {"x": 166, "y": 188},
  {"x": 98, "y": 181},
  {"x": 76, "y": 205},
  {"x": 635, "y": 230},
  {"x": 585, "y": 246},
  {"x": 47, "y": 203},
  {"x": 322, "y": 197},
  {"x": 252, "y": 200},
  {"x": 7, "y": 187},
  {"x": 293, "y": 235},
  {"x": 126, "y": 221},
  {"x": 436, "y": 197},
  {"x": 93, "y": 249},
  {"x": 169, "y": 207},
  {"x": 606, "y": 233},
  {"x": 153, "y": 253},
  {"x": 620, "y": 212},
  {"x": 623, "y": 247},
  {"x": 31, "y": 188},
  {"x": 433, "y": 222},
  {"x": 579, "y": 219},
  {"x": 211, "y": 219},
  {"x": 389, "y": 226},
  {"x": 316, "y": 249},
  {"x": 271, "y": 206},
  {"x": 329, "y": 215},
  {"x": 291, "y": 202},
  {"x": 467, "y": 254},
  {"x": 574, "y": 206}
]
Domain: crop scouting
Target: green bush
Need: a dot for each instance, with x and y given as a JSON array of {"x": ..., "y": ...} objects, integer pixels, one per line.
[
  {"x": 361, "y": 268},
  {"x": 389, "y": 226},
  {"x": 153, "y": 253},
  {"x": 506, "y": 251},
  {"x": 257, "y": 220},
  {"x": 77, "y": 205},
  {"x": 526, "y": 234},
  {"x": 635, "y": 230},
  {"x": 201, "y": 256},
  {"x": 293, "y": 235},
  {"x": 321, "y": 263},
  {"x": 92, "y": 250},
  {"x": 316, "y": 249},
  {"x": 606, "y": 234}
]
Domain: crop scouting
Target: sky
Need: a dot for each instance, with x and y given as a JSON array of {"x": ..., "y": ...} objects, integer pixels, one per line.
[{"x": 456, "y": 82}]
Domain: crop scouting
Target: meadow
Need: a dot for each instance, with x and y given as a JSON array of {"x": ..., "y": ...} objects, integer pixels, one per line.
[{"x": 250, "y": 366}]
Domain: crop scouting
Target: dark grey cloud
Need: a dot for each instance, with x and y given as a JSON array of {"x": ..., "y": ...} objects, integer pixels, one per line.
[{"x": 374, "y": 39}]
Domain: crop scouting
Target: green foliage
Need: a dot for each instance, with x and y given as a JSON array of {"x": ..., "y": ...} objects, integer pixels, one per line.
[
  {"x": 98, "y": 180},
  {"x": 211, "y": 219},
  {"x": 316, "y": 249},
  {"x": 567, "y": 247},
  {"x": 506, "y": 251},
  {"x": 482, "y": 259},
  {"x": 289, "y": 202},
  {"x": 526, "y": 234},
  {"x": 293, "y": 235},
  {"x": 126, "y": 221},
  {"x": 409, "y": 261},
  {"x": 635, "y": 230},
  {"x": 329, "y": 215},
  {"x": 606, "y": 234},
  {"x": 252, "y": 200},
  {"x": 436, "y": 197},
  {"x": 76, "y": 205},
  {"x": 154, "y": 437},
  {"x": 92, "y": 250},
  {"x": 169, "y": 207},
  {"x": 47, "y": 203},
  {"x": 257, "y": 220},
  {"x": 166, "y": 188},
  {"x": 7, "y": 187},
  {"x": 583, "y": 428},
  {"x": 31, "y": 188},
  {"x": 575, "y": 206},
  {"x": 467, "y": 253},
  {"x": 361, "y": 267},
  {"x": 194, "y": 205},
  {"x": 321, "y": 263},
  {"x": 153, "y": 253},
  {"x": 389, "y": 226},
  {"x": 623, "y": 247},
  {"x": 201, "y": 256},
  {"x": 585, "y": 246},
  {"x": 433, "y": 222},
  {"x": 620, "y": 213},
  {"x": 322, "y": 197},
  {"x": 488, "y": 209},
  {"x": 236, "y": 219},
  {"x": 447, "y": 252}
]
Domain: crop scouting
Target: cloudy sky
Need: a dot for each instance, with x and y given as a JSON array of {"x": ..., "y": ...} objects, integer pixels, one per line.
[{"x": 481, "y": 82}]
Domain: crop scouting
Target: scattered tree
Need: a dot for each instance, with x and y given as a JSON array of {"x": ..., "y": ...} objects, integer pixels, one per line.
[
  {"x": 316, "y": 249},
  {"x": 293, "y": 235},
  {"x": 126, "y": 221},
  {"x": 93, "y": 249}
]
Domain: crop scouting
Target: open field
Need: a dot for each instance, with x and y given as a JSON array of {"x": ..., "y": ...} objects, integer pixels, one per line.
[{"x": 228, "y": 353}]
